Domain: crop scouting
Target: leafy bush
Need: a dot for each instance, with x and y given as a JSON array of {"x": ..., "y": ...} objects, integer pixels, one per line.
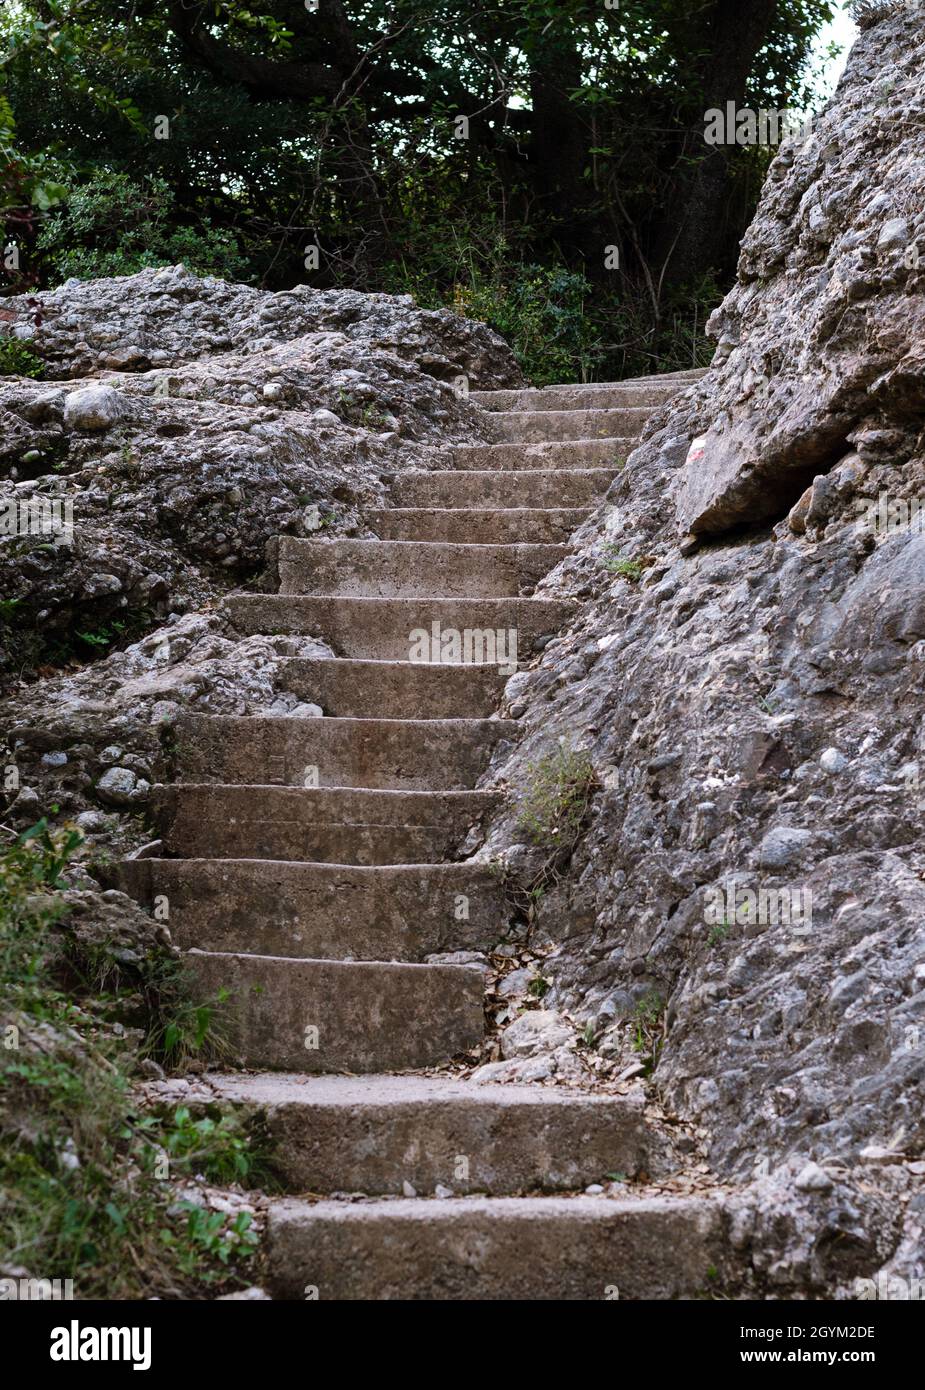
[
  {"x": 116, "y": 225},
  {"x": 540, "y": 311},
  {"x": 16, "y": 359}
]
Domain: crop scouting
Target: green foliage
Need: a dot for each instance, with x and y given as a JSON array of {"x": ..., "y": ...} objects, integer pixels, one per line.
[
  {"x": 207, "y": 1238},
  {"x": 586, "y": 133},
  {"x": 116, "y": 225},
  {"x": 16, "y": 359},
  {"x": 554, "y": 806},
  {"x": 649, "y": 1028},
  {"x": 541, "y": 313},
  {"x": 180, "y": 1026},
  {"x": 612, "y": 561},
  {"x": 86, "y": 1189},
  {"x": 214, "y": 1144},
  {"x": 37, "y": 859}
]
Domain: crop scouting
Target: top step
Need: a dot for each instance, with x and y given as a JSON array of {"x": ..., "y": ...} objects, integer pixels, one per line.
[{"x": 599, "y": 396}]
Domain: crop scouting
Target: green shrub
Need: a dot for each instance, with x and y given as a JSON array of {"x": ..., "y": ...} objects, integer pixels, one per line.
[
  {"x": 649, "y": 1028},
  {"x": 117, "y": 225},
  {"x": 16, "y": 359},
  {"x": 540, "y": 311}
]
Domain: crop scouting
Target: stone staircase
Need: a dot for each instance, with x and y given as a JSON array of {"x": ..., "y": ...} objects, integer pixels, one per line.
[{"x": 312, "y": 866}]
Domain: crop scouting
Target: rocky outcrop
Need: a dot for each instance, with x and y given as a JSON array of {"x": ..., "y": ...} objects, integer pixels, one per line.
[
  {"x": 164, "y": 318},
  {"x": 751, "y": 695},
  {"x": 820, "y": 359}
]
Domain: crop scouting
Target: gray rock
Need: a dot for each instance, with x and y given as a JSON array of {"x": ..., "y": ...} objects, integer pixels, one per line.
[
  {"x": 833, "y": 761},
  {"x": 749, "y": 659},
  {"x": 96, "y": 408},
  {"x": 120, "y": 786},
  {"x": 515, "y": 985},
  {"x": 306, "y": 711},
  {"x": 812, "y": 1178},
  {"x": 783, "y": 845},
  {"x": 539, "y": 1031},
  {"x": 894, "y": 235}
]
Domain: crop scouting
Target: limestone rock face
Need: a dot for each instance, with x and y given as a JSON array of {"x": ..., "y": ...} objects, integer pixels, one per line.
[
  {"x": 821, "y": 340},
  {"x": 752, "y": 875}
]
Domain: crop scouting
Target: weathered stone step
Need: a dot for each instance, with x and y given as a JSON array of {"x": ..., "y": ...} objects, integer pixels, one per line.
[
  {"x": 532, "y": 426},
  {"x": 394, "y": 689},
  {"x": 318, "y": 826},
  {"x": 402, "y": 629},
  {"x": 412, "y": 569},
  {"x": 486, "y": 525},
  {"x": 397, "y": 754},
  {"x": 684, "y": 375},
  {"x": 321, "y": 911},
  {"x": 561, "y": 487},
  {"x": 496, "y": 1248},
  {"x": 614, "y": 395},
  {"x": 374, "y": 1133},
  {"x": 562, "y": 453},
  {"x": 324, "y": 1015}
]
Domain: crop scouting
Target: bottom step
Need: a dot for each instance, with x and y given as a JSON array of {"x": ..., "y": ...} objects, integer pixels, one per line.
[
  {"x": 322, "y": 1016},
  {"x": 577, "y": 1248}
]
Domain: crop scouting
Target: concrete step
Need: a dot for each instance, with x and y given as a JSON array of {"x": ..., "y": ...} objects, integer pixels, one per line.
[
  {"x": 484, "y": 525},
  {"x": 394, "y": 754},
  {"x": 403, "y": 629},
  {"x": 497, "y": 1248},
  {"x": 532, "y": 426},
  {"x": 683, "y": 374},
  {"x": 563, "y": 453},
  {"x": 324, "y": 1015},
  {"x": 321, "y": 911},
  {"x": 394, "y": 689},
  {"x": 412, "y": 569},
  {"x": 560, "y": 487},
  {"x": 608, "y": 396},
  {"x": 372, "y": 1134},
  {"x": 319, "y": 827}
]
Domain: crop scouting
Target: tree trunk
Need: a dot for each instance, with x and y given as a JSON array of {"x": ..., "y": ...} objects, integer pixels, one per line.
[{"x": 693, "y": 231}]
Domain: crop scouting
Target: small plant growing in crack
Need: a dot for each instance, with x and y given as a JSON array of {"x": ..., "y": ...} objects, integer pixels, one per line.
[
  {"x": 631, "y": 570},
  {"x": 555, "y": 804},
  {"x": 649, "y": 1028},
  {"x": 552, "y": 811}
]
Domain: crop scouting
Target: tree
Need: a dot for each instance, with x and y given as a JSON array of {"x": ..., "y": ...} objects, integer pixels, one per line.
[{"x": 582, "y": 144}]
